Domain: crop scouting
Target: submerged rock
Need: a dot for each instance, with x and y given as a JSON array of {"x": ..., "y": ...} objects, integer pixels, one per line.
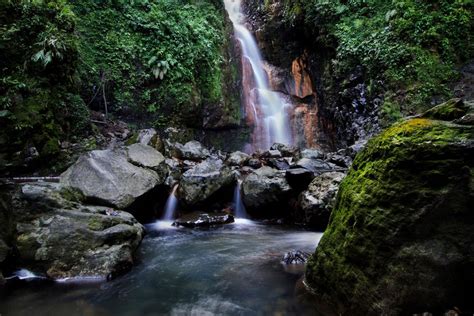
[
  {"x": 295, "y": 257},
  {"x": 204, "y": 220},
  {"x": 67, "y": 239},
  {"x": 400, "y": 236},
  {"x": 106, "y": 176},
  {"x": 204, "y": 180},
  {"x": 317, "y": 201}
]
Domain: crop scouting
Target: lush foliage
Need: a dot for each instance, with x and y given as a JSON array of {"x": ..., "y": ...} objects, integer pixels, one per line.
[
  {"x": 38, "y": 57},
  {"x": 412, "y": 45},
  {"x": 151, "y": 57}
]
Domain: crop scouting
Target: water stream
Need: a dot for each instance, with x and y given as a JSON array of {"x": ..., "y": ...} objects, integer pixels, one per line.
[
  {"x": 239, "y": 207},
  {"x": 264, "y": 108},
  {"x": 233, "y": 270}
]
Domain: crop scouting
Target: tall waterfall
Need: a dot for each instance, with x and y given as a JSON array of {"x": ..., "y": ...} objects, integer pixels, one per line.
[
  {"x": 263, "y": 107},
  {"x": 239, "y": 207}
]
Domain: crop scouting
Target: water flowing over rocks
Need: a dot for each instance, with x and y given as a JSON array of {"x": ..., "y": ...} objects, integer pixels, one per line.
[
  {"x": 63, "y": 238},
  {"x": 106, "y": 176}
]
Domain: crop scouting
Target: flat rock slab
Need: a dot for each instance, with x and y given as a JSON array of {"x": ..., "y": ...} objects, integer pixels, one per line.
[
  {"x": 197, "y": 219},
  {"x": 106, "y": 176}
]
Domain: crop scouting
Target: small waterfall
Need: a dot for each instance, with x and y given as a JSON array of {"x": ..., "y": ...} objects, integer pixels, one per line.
[
  {"x": 239, "y": 207},
  {"x": 170, "y": 206},
  {"x": 263, "y": 107}
]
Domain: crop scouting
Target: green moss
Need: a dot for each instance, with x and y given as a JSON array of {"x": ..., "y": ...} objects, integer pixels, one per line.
[
  {"x": 450, "y": 110},
  {"x": 410, "y": 179},
  {"x": 96, "y": 224}
]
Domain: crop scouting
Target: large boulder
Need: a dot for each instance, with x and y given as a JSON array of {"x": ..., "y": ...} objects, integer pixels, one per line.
[
  {"x": 400, "y": 238},
  {"x": 63, "y": 238},
  {"x": 265, "y": 189},
  {"x": 318, "y": 200},
  {"x": 203, "y": 181},
  {"x": 145, "y": 156},
  {"x": 106, "y": 176},
  {"x": 237, "y": 158},
  {"x": 192, "y": 150}
]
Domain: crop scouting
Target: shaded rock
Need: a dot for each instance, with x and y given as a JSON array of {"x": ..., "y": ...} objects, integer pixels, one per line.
[
  {"x": 67, "y": 239},
  {"x": 237, "y": 158},
  {"x": 192, "y": 150},
  {"x": 254, "y": 163},
  {"x": 265, "y": 189},
  {"x": 201, "y": 182},
  {"x": 146, "y": 135},
  {"x": 400, "y": 236},
  {"x": 299, "y": 178},
  {"x": 317, "y": 201},
  {"x": 204, "y": 220},
  {"x": 311, "y": 154},
  {"x": 280, "y": 164},
  {"x": 295, "y": 257},
  {"x": 145, "y": 156},
  {"x": 450, "y": 110},
  {"x": 314, "y": 165},
  {"x": 339, "y": 160},
  {"x": 285, "y": 150},
  {"x": 107, "y": 177},
  {"x": 272, "y": 154}
]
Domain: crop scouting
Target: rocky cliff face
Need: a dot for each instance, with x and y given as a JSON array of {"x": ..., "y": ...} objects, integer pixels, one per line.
[
  {"x": 301, "y": 70},
  {"x": 400, "y": 237}
]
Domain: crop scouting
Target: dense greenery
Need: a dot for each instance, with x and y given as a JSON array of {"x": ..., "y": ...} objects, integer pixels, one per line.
[
  {"x": 159, "y": 56},
  {"x": 38, "y": 58},
  {"x": 157, "y": 61},
  {"x": 413, "y": 46}
]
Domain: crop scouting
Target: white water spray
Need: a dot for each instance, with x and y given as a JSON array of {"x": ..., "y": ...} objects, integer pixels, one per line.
[
  {"x": 170, "y": 206},
  {"x": 268, "y": 110},
  {"x": 239, "y": 207}
]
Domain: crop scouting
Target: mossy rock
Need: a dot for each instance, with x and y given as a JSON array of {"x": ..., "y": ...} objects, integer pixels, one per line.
[
  {"x": 448, "y": 111},
  {"x": 400, "y": 237}
]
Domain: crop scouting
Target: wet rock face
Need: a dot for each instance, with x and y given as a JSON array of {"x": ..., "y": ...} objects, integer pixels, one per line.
[
  {"x": 265, "y": 190},
  {"x": 106, "y": 176},
  {"x": 400, "y": 236},
  {"x": 66, "y": 239},
  {"x": 201, "y": 182},
  {"x": 317, "y": 201},
  {"x": 197, "y": 219}
]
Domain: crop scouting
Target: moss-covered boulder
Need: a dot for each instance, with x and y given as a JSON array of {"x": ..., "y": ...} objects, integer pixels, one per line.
[{"x": 400, "y": 239}]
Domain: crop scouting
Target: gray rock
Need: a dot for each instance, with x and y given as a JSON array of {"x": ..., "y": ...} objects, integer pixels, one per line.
[
  {"x": 285, "y": 150},
  {"x": 145, "y": 136},
  {"x": 299, "y": 178},
  {"x": 192, "y": 150},
  {"x": 108, "y": 177},
  {"x": 254, "y": 163},
  {"x": 279, "y": 163},
  {"x": 314, "y": 165},
  {"x": 67, "y": 239},
  {"x": 317, "y": 202},
  {"x": 237, "y": 158},
  {"x": 145, "y": 156},
  {"x": 204, "y": 220},
  {"x": 311, "y": 154},
  {"x": 201, "y": 182},
  {"x": 264, "y": 188}
]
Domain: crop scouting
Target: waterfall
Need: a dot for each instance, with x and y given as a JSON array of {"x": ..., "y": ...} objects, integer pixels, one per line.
[
  {"x": 263, "y": 107},
  {"x": 171, "y": 204},
  {"x": 239, "y": 207}
]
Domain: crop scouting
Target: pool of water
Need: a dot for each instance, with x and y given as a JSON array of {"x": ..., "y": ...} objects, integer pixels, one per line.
[{"x": 232, "y": 270}]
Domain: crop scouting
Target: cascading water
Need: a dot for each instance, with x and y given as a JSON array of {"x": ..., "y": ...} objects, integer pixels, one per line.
[
  {"x": 170, "y": 206},
  {"x": 239, "y": 207},
  {"x": 263, "y": 107}
]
